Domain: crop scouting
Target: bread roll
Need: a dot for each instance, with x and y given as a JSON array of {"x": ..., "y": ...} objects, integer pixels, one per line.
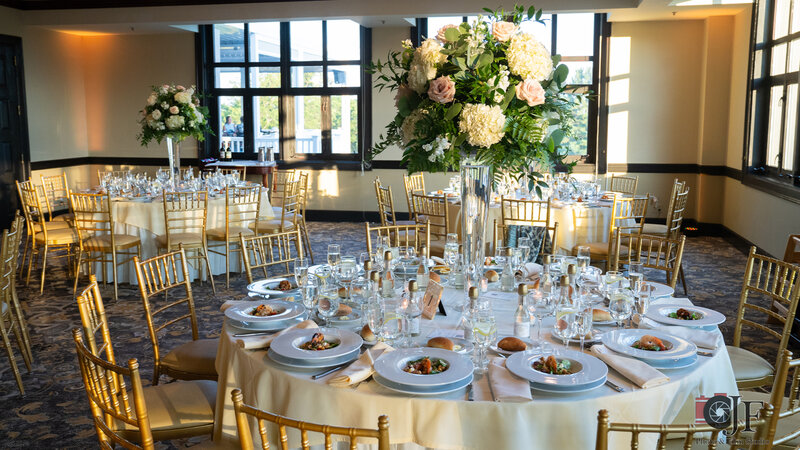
[
  {"x": 492, "y": 276},
  {"x": 440, "y": 342},
  {"x": 343, "y": 292},
  {"x": 512, "y": 344},
  {"x": 435, "y": 277},
  {"x": 601, "y": 315},
  {"x": 368, "y": 335},
  {"x": 342, "y": 311}
]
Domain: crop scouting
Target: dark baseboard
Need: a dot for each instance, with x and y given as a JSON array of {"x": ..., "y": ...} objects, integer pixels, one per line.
[
  {"x": 323, "y": 215},
  {"x": 108, "y": 160}
]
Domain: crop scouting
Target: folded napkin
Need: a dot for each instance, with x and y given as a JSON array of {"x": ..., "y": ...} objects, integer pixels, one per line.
[
  {"x": 700, "y": 338},
  {"x": 506, "y": 386},
  {"x": 439, "y": 261},
  {"x": 263, "y": 342},
  {"x": 529, "y": 270},
  {"x": 633, "y": 369},
  {"x": 360, "y": 369}
]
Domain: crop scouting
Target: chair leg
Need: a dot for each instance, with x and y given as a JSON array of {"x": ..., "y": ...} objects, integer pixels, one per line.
[
  {"x": 114, "y": 272},
  {"x": 21, "y": 321},
  {"x": 208, "y": 268},
  {"x": 307, "y": 242},
  {"x": 30, "y": 264},
  {"x": 683, "y": 280},
  {"x": 24, "y": 253},
  {"x": 11, "y": 359},
  {"x": 227, "y": 264},
  {"x": 17, "y": 330},
  {"x": 44, "y": 266}
]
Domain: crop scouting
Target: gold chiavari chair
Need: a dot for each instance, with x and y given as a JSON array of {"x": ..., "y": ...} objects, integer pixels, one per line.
[
  {"x": 244, "y": 411},
  {"x": 193, "y": 360},
  {"x": 501, "y": 231},
  {"x": 12, "y": 260},
  {"x": 653, "y": 252},
  {"x": 56, "y": 196},
  {"x": 413, "y": 184},
  {"x": 290, "y": 211},
  {"x": 240, "y": 171},
  {"x": 94, "y": 321},
  {"x": 433, "y": 211},
  {"x": 766, "y": 280},
  {"x": 525, "y": 212},
  {"x": 792, "y": 253},
  {"x": 415, "y": 235},
  {"x": 98, "y": 237},
  {"x": 658, "y": 229},
  {"x": 113, "y": 173},
  {"x": 784, "y": 425},
  {"x": 11, "y": 318},
  {"x": 136, "y": 416},
  {"x": 666, "y": 433},
  {"x": 386, "y": 205},
  {"x": 623, "y": 184},
  {"x": 43, "y": 235},
  {"x": 185, "y": 218},
  {"x": 279, "y": 179},
  {"x": 301, "y": 219},
  {"x": 242, "y": 207},
  {"x": 270, "y": 250},
  {"x": 627, "y": 215}
]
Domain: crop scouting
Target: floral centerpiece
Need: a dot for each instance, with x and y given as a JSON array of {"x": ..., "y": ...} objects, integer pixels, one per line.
[
  {"x": 173, "y": 112},
  {"x": 483, "y": 92}
]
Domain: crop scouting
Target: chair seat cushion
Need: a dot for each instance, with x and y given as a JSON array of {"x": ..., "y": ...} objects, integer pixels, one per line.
[
  {"x": 277, "y": 211},
  {"x": 57, "y": 223},
  {"x": 103, "y": 242},
  {"x": 437, "y": 247},
  {"x": 272, "y": 225},
  {"x": 59, "y": 236},
  {"x": 599, "y": 250},
  {"x": 176, "y": 410},
  {"x": 655, "y": 229},
  {"x": 786, "y": 426},
  {"x": 747, "y": 366},
  {"x": 185, "y": 239},
  {"x": 64, "y": 217},
  {"x": 194, "y": 357},
  {"x": 218, "y": 234},
  {"x": 405, "y": 222}
]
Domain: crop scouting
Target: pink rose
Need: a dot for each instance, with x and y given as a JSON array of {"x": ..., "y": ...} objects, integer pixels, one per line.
[
  {"x": 530, "y": 91},
  {"x": 440, "y": 35},
  {"x": 173, "y": 110},
  {"x": 165, "y": 86},
  {"x": 402, "y": 91},
  {"x": 502, "y": 31},
  {"x": 442, "y": 89},
  {"x": 180, "y": 88}
]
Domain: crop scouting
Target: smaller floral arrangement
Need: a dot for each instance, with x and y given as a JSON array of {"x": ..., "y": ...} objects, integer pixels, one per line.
[{"x": 173, "y": 111}]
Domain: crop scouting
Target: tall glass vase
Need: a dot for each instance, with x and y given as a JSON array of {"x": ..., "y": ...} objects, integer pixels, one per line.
[
  {"x": 475, "y": 190},
  {"x": 174, "y": 154}
]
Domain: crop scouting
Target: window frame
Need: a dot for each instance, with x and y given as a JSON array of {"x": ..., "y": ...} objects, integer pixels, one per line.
[
  {"x": 756, "y": 172},
  {"x": 286, "y": 95}
]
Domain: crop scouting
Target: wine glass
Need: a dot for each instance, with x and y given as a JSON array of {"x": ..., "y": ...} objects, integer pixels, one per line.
[
  {"x": 328, "y": 304},
  {"x": 584, "y": 257},
  {"x": 300, "y": 271},
  {"x": 540, "y": 306},
  {"x": 635, "y": 276},
  {"x": 308, "y": 292},
  {"x": 643, "y": 298},
  {"x": 334, "y": 254},
  {"x": 374, "y": 316},
  {"x": 620, "y": 306},
  {"x": 524, "y": 245},
  {"x": 484, "y": 332},
  {"x": 565, "y": 324},
  {"x": 590, "y": 285},
  {"x": 583, "y": 320}
]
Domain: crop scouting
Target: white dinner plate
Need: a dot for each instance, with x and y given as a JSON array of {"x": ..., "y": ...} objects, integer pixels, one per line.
[
  {"x": 351, "y": 320},
  {"x": 551, "y": 390},
  {"x": 672, "y": 365},
  {"x": 595, "y": 338},
  {"x": 270, "y": 287},
  {"x": 589, "y": 370},
  {"x": 660, "y": 290},
  {"x": 460, "y": 345},
  {"x": 242, "y": 314},
  {"x": 661, "y": 314},
  {"x": 621, "y": 341},
  {"x": 423, "y": 390},
  {"x": 288, "y": 345},
  {"x": 312, "y": 364},
  {"x": 499, "y": 350},
  {"x": 390, "y": 366}
]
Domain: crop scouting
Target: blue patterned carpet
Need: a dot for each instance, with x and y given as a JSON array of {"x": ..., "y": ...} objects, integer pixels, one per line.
[{"x": 55, "y": 413}]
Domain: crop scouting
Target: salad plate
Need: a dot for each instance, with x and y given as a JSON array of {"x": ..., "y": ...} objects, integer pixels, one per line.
[
  {"x": 623, "y": 341},
  {"x": 351, "y": 320},
  {"x": 446, "y": 368},
  {"x": 422, "y": 390},
  {"x": 307, "y": 344},
  {"x": 690, "y": 316},
  {"x": 271, "y": 287},
  {"x": 580, "y": 370},
  {"x": 660, "y": 290},
  {"x": 277, "y": 314},
  {"x": 311, "y": 364}
]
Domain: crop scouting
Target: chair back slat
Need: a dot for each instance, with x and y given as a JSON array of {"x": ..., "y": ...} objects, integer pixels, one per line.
[
  {"x": 623, "y": 184},
  {"x": 434, "y": 211},
  {"x": 56, "y": 193},
  {"x": 94, "y": 321},
  {"x": 675, "y": 216},
  {"x": 385, "y": 203},
  {"x": 414, "y": 183},
  {"x": 31, "y": 197},
  {"x": 653, "y": 252},
  {"x": 400, "y": 236},
  {"x": 185, "y": 212},
  {"x": 242, "y": 205},
  {"x": 525, "y": 212},
  {"x": 269, "y": 250},
  {"x": 92, "y": 214},
  {"x": 244, "y": 412},
  {"x": 279, "y": 179}
]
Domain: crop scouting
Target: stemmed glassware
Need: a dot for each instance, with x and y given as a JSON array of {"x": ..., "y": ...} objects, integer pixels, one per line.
[
  {"x": 620, "y": 305},
  {"x": 590, "y": 284},
  {"x": 308, "y": 292},
  {"x": 540, "y": 306},
  {"x": 300, "y": 271},
  {"x": 334, "y": 254},
  {"x": 524, "y": 245},
  {"x": 584, "y": 319},
  {"x": 565, "y": 326},
  {"x": 328, "y": 304},
  {"x": 484, "y": 332}
]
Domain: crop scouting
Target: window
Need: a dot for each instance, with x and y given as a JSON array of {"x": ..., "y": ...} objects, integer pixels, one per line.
[
  {"x": 772, "y": 150},
  {"x": 295, "y": 87},
  {"x": 576, "y": 37}
]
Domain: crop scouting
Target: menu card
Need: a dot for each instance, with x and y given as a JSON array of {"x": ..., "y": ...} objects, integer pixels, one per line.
[{"x": 431, "y": 300}]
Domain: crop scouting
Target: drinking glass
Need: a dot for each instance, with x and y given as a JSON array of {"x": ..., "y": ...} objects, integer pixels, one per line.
[
  {"x": 583, "y": 320},
  {"x": 524, "y": 244},
  {"x": 500, "y": 255},
  {"x": 565, "y": 324},
  {"x": 364, "y": 257},
  {"x": 635, "y": 276},
  {"x": 612, "y": 281},
  {"x": 300, "y": 271},
  {"x": 584, "y": 256},
  {"x": 334, "y": 254},
  {"x": 484, "y": 332},
  {"x": 373, "y": 315},
  {"x": 327, "y": 309},
  {"x": 590, "y": 285},
  {"x": 391, "y": 326},
  {"x": 540, "y": 306},
  {"x": 347, "y": 269},
  {"x": 620, "y": 306},
  {"x": 359, "y": 291},
  {"x": 643, "y": 298},
  {"x": 323, "y": 272},
  {"x": 308, "y": 292}
]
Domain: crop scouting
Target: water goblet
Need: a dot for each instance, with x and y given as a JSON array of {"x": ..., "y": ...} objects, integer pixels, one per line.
[
  {"x": 565, "y": 324},
  {"x": 328, "y": 304},
  {"x": 524, "y": 244},
  {"x": 635, "y": 275},
  {"x": 300, "y": 271},
  {"x": 484, "y": 332},
  {"x": 540, "y": 306},
  {"x": 334, "y": 254},
  {"x": 583, "y": 320},
  {"x": 308, "y": 292},
  {"x": 620, "y": 306}
]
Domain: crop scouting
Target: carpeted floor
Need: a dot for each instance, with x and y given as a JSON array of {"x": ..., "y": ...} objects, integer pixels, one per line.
[{"x": 54, "y": 413}]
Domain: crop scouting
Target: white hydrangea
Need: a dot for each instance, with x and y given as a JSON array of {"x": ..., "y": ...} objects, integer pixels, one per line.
[
  {"x": 430, "y": 53},
  {"x": 183, "y": 97},
  {"x": 408, "y": 128},
  {"x": 418, "y": 76},
  {"x": 156, "y": 114},
  {"x": 164, "y": 105},
  {"x": 484, "y": 124},
  {"x": 528, "y": 58},
  {"x": 436, "y": 148},
  {"x": 174, "y": 122}
]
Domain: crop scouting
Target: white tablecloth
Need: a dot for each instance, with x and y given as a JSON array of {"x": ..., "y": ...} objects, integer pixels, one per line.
[
  {"x": 451, "y": 422},
  {"x": 146, "y": 221}
]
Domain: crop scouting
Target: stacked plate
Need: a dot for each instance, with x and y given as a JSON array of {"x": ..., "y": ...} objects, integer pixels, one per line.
[
  {"x": 287, "y": 348},
  {"x": 699, "y": 317},
  {"x": 269, "y": 288},
  {"x": 679, "y": 353},
  {"x": 284, "y": 314},
  {"x": 585, "y": 371},
  {"x": 660, "y": 290},
  {"x": 390, "y": 373}
]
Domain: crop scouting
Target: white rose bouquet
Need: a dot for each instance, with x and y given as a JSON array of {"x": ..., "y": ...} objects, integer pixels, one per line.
[
  {"x": 173, "y": 111},
  {"x": 483, "y": 91}
]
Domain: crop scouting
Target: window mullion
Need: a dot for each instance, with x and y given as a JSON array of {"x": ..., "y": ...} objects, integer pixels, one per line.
[{"x": 325, "y": 126}]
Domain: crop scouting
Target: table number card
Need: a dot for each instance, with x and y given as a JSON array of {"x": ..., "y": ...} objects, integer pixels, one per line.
[{"x": 431, "y": 299}]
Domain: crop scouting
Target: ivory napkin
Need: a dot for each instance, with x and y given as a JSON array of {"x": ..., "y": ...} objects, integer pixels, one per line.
[
  {"x": 700, "y": 338},
  {"x": 263, "y": 342},
  {"x": 506, "y": 386},
  {"x": 637, "y": 371},
  {"x": 360, "y": 369},
  {"x": 529, "y": 270},
  {"x": 438, "y": 261}
]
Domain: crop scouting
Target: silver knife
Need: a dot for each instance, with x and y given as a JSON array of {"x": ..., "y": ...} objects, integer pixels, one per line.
[
  {"x": 258, "y": 333},
  {"x": 329, "y": 371},
  {"x": 614, "y": 386}
]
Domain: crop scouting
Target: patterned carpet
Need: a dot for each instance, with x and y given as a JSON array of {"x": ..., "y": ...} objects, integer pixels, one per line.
[{"x": 55, "y": 414}]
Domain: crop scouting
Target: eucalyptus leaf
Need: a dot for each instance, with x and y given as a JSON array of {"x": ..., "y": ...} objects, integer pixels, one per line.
[
  {"x": 461, "y": 63},
  {"x": 485, "y": 59},
  {"x": 539, "y": 15},
  {"x": 404, "y": 106},
  {"x": 556, "y": 60},
  {"x": 560, "y": 74},
  {"x": 510, "y": 93},
  {"x": 452, "y": 111},
  {"x": 531, "y": 12},
  {"x": 452, "y": 34},
  {"x": 459, "y": 140}
]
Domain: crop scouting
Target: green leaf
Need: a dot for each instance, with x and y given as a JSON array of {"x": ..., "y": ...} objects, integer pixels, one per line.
[
  {"x": 461, "y": 63},
  {"x": 404, "y": 106},
  {"x": 556, "y": 60},
  {"x": 452, "y": 34},
  {"x": 531, "y": 12},
  {"x": 459, "y": 140},
  {"x": 510, "y": 93},
  {"x": 560, "y": 74},
  {"x": 488, "y": 10},
  {"x": 485, "y": 59},
  {"x": 539, "y": 15},
  {"x": 557, "y": 136},
  {"x": 452, "y": 111}
]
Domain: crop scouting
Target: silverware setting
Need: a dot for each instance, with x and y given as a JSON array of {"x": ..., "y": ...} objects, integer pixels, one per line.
[
  {"x": 329, "y": 371},
  {"x": 614, "y": 386},
  {"x": 470, "y": 393},
  {"x": 257, "y": 333},
  {"x": 705, "y": 353}
]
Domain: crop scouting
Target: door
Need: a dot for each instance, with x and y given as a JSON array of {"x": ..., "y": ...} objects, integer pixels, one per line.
[{"x": 13, "y": 127}]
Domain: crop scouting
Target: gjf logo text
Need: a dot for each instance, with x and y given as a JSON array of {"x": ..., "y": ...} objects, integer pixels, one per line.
[{"x": 721, "y": 411}]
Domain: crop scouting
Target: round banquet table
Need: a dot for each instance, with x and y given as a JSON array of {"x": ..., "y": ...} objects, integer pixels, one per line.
[
  {"x": 450, "y": 421},
  {"x": 577, "y": 222},
  {"x": 146, "y": 221}
]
